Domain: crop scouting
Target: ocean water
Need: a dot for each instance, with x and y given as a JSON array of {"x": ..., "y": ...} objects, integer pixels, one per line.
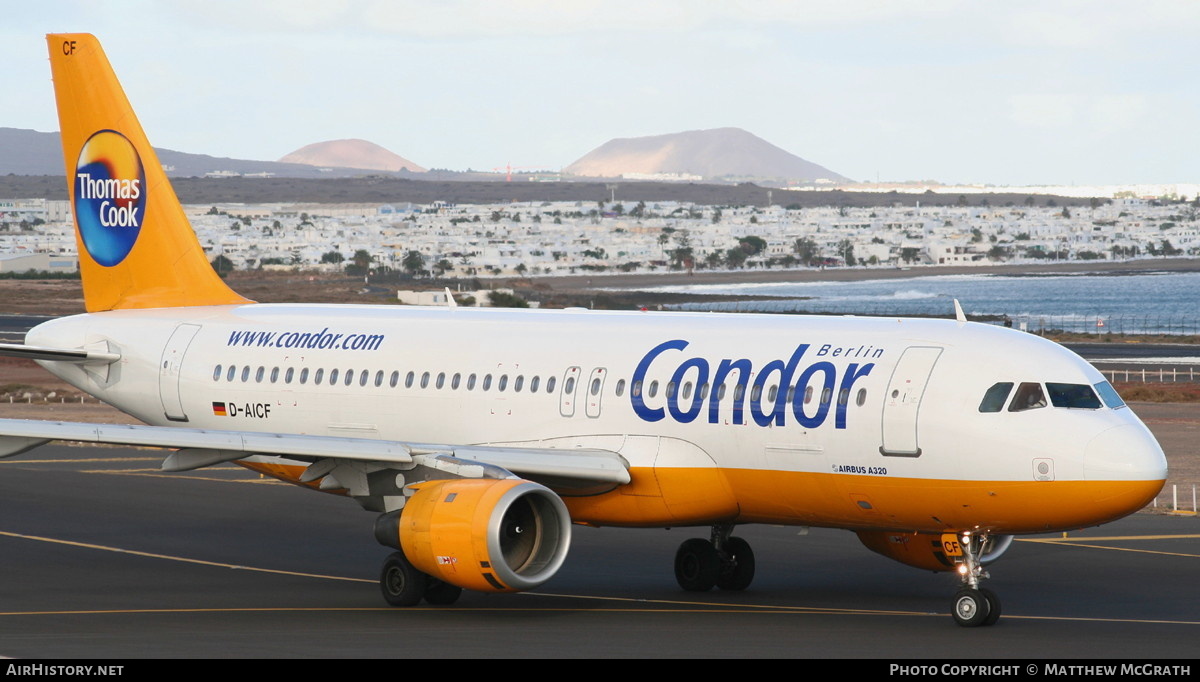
[{"x": 1145, "y": 302}]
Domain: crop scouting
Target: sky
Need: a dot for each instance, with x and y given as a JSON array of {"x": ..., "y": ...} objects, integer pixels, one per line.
[{"x": 1018, "y": 92}]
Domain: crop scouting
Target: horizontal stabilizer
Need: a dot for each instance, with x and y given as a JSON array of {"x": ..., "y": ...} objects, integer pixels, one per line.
[{"x": 17, "y": 350}]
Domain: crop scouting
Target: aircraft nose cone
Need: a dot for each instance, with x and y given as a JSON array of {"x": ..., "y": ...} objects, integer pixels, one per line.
[
  {"x": 1125, "y": 468},
  {"x": 1124, "y": 453}
]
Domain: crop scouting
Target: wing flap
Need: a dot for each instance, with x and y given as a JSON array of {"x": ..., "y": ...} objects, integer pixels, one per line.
[
  {"x": 243, "y": 442},
  {"x": 601, "y": 466},
  {"x": 205, "y": 447}
]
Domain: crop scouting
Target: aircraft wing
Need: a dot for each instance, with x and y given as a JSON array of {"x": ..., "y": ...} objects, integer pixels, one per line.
[{"x": 196, "y": 448}]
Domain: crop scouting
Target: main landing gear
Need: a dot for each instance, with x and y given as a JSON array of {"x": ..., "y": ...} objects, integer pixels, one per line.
[
  {"x": 722, "y": 561},
  {"x": 974, "y": 605},
  {"x": 404, "y": 585}
]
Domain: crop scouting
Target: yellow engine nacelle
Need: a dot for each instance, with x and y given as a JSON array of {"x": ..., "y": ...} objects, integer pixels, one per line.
[
  {"x": 489, "y": 535},
  {"x": 930, "y": 552}
]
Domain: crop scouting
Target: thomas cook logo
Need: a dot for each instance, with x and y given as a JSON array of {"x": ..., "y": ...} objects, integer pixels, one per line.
[{"x": 110, "y": 196}]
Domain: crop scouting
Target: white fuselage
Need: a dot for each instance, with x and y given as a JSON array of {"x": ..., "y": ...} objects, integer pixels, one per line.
[{"x": 891, "y": 434}]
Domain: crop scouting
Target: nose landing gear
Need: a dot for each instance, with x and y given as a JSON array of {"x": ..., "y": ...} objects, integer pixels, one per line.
[{"x": 974, "y": 605}]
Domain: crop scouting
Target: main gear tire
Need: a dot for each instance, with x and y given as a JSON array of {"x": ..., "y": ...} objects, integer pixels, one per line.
[
  {"x": 697, "y": 565},
  {"x": 401, "y": 583}
]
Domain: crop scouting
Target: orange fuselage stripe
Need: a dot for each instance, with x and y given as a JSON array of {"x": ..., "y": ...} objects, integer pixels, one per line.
[{"x": 701, "y": 496}]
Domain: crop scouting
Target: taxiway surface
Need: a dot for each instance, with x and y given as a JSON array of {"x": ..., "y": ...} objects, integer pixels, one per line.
[{"x": 104, "y": 556}]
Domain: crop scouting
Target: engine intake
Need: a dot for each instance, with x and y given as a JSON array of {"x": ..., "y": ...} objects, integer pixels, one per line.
[{"x": 489, "y": 535}]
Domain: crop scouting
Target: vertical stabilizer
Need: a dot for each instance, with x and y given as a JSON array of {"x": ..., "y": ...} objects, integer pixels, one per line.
[{"x": 136, "y": 247}]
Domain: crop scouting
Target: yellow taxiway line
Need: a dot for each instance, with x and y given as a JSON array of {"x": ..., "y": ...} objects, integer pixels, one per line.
[{"x": 634, "y": 605}]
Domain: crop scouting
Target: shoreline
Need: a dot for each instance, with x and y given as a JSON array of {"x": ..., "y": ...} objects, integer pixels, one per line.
[
  {"x": 560, "y": 284},
  {"x": 601, "y": 290}
]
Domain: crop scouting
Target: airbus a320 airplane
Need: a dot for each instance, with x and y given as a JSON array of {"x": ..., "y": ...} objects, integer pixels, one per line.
[{"x": 480, "y": 436}]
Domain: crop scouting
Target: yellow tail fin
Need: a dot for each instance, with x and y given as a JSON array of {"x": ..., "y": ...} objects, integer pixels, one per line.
[{"x": 136, "y": 247}]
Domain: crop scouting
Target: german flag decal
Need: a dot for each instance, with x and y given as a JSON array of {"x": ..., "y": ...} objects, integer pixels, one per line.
[{"x": 219, "y": 410}]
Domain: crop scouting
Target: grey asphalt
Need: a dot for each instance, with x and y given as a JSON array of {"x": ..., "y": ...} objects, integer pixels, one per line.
[{"x": 103, "y": 556}]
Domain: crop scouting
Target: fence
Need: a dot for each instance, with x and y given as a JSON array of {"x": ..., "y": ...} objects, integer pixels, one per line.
[
  {"x": 1099, "y": 324},
  {"x": 1161, "y": 375},
  {"x": 1110, "y": 325},
  {"x": 1176, "y": 505}
]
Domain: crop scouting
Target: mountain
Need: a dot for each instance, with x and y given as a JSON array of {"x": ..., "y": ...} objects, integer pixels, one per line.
[
  {"x": 28, "y": 152},
  {"x": 716, "y": 153},
  {"x": 351, "y": 154}
]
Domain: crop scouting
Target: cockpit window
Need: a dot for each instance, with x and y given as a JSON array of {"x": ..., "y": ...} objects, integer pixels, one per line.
[
  {"x": 1109, "y": 395},
  {"x": 1073, "y": 395},
  {"x": 1029, "y": 396},
  {"x": 993, "y": 400}
]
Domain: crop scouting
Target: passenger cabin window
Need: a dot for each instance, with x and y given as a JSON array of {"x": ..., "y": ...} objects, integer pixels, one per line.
[
  {"x": 333, "y": 376},
  {"x": 1079, "y": 396},
  {"x": 318, "y": 376},
  {"x": 217, "y": 373},
  {"x": 1029, "y": 396},
  {"x": 993, "y": 400}
]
